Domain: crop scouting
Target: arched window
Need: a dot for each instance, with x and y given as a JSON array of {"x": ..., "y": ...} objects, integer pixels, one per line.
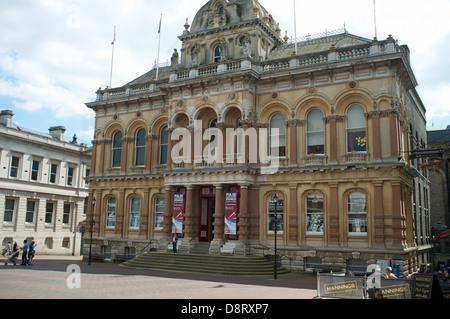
[
  {"x": 220, "y": 9},
  {"x": 163, "y": 146},
  {"x": 135, "y": 208},
  {"x": 117, "y": 149},
  {"x": 159, "y": 211},
  {"x": 315, "y": 133},
  {"x": 356, "y": 129},
  {"x": 314, "y": 213},
  {"x": 275, "y": 213},
  {"x": 217, "y": 54},
  {"x": 111, "y": 212},
  {"x": 357, "y": 213},
  {"x": 139, "y": 156},
  {"x": 277, "y": 135}
]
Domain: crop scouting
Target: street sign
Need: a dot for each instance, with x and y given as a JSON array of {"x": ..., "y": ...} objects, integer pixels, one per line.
[{"x": 425, "y": 153}]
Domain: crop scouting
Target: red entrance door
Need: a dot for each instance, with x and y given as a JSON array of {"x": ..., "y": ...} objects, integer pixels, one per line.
[{"x": 207, "y": 207}]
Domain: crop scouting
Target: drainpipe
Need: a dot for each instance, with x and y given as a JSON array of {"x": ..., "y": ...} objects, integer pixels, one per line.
[{"x": 447, "y": 216}]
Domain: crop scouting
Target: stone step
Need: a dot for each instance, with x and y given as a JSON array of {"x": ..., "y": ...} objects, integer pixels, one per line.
[
  {"x": 201, "y": 248},
  {"x": 207, "y": 264}
]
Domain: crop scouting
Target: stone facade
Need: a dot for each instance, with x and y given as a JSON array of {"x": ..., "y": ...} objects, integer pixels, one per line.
[
  {"x": 342, "y": 105},
  {"x": 42, "y": 188},
  {"x": 439, "y": 175}
]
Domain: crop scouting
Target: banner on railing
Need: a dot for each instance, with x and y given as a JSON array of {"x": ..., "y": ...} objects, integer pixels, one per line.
[
  {"x": 178, "y": 213},
  {"x": 338, "y": 286},
  {"x": 391, "y": 289},
  {"x": 421, "y": 286}
]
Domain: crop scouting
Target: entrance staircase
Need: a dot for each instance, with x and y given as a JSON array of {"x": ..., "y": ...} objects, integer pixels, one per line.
[
  {"x": 201, "y": 248},
  {"x": 204, "y": 264}
]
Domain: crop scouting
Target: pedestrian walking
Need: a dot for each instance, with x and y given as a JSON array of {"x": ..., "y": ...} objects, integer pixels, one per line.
[
  {"x": 7, "y": 252},
  {"x": 24, "y": 253},
  {"x": 31, "y": 251},
  {"x": 174, "y": 243}
]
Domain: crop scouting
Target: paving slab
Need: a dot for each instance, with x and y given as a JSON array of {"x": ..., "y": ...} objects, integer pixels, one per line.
[{"x": 57, "y": 277}]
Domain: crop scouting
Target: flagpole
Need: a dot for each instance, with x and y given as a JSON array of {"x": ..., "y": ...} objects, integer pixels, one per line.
[
  {"x": 295, "y": 29},
  {"x": 112, "y": 58},
  {"x": 375, "y": 18},
  {"x": 159, "y": 46}
]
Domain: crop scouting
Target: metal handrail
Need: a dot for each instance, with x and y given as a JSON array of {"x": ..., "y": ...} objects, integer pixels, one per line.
[
  {"x": 278, "y": 253},
  {"x": 150, "y": 243}
]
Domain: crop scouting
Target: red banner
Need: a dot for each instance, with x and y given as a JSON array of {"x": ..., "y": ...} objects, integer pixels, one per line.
[
  {"x": 178, "y": 213},
  {"x": 231, "y": 210}
]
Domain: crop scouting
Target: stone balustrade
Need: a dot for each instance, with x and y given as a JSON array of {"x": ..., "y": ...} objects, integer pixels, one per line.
[{"x": 333, "y": 55}]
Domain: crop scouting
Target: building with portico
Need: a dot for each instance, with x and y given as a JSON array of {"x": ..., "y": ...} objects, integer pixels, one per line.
[{"x": 330, "y": 112}]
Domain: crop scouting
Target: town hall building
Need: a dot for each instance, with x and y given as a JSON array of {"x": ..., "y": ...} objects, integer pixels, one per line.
[{"x": 243, "y": 116}]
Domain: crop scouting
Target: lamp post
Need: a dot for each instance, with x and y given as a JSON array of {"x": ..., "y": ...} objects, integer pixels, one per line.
[
  {"x": 275, "y": 268},
  {"x": 92, "y": 222}
]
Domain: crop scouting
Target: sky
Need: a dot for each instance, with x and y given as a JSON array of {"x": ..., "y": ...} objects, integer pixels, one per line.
[{"x": 55, "y": 54}]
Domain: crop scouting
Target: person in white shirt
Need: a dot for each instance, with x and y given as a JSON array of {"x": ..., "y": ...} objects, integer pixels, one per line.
[{"x": 7, "y": 252}]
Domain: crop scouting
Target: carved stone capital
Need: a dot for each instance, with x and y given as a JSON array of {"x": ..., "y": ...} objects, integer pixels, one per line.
[{"x": 335, "y": 119}]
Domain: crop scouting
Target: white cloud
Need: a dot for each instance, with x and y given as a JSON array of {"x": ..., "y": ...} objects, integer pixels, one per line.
[
  {"x": 54, "y": 54},
  {"x": 437, "y": 97},
  {"x": 85, "y": 135}
]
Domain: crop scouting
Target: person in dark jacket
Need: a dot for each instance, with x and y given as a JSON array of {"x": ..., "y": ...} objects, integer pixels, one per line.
[
  {"x": 24, "y": 253},
  {"x": 31, "y": 252},
  {"x": 174, "y": 243}
]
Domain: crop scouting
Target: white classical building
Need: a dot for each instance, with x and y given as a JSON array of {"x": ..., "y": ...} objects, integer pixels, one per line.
[{"x": 42, "y": 188}]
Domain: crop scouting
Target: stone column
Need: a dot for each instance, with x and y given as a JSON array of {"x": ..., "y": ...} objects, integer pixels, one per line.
[
  {"x": 101, "y": 169},
  {"x": 376, "y": 133},
  {"x": 167, "y": 216},
  {"x": 169, "y": 148},
  {"x": 221, "y": 144},
  {"x": 333, "y": 121},
  {"x": 144, "y": 222},
  {"x": 394, "y": 136},
  {"x": 167, "y": 220},
  {"x": 94, "y": 157},
  {"x": 189, "y": 213},
  {"x": 292, "y": 215},
  {"x": 148, "y": 152},
  {"x": 98, "y": 212},
  {"x": 191, "y": 147},
  {"x": 379, "y": 215},
  {"x": 398, "y": 222},
  {"x": 219, "y": 222},
  {"x": 292, "y": 126},
  {"x": 120, "y": 214},
  {"x": 243, "y": 213},
  {"x": 334, "y": 216},
  {"x": 189, "y": 222},
  {"x": 243, "y": 221},
  {"x": 245, "y": 144},
  {"x": 124, "y": 159}
]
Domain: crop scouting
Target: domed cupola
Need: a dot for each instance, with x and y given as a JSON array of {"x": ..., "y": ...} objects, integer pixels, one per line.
[
  {"x": 225, "y": 30},
  {"x": 219, "y": 13}
]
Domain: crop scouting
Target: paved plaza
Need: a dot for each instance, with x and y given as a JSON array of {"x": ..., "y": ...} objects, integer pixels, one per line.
[{"x": 72, "y": 278}]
